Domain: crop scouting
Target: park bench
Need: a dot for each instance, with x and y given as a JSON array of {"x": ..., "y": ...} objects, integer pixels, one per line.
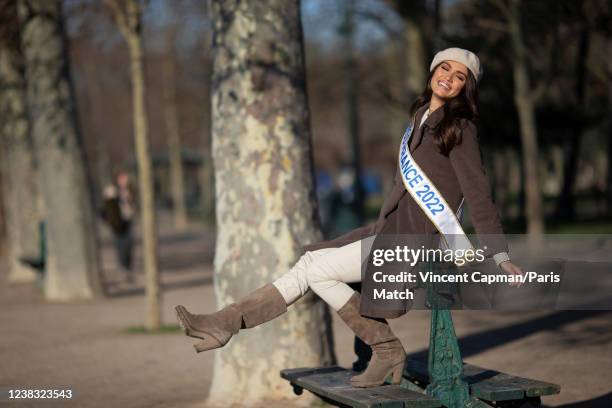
[{"x": 444, "y": 380}]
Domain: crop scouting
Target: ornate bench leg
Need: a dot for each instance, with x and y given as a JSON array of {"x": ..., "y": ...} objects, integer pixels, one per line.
[
  {"x": 444, "y": 361},
  {"x": 445, "y": 364}
]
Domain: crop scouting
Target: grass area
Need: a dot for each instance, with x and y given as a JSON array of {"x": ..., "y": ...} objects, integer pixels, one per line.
[{"x": 164, "y": 329}]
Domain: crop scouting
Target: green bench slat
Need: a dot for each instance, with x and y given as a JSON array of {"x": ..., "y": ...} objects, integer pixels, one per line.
[
  {"x": 291, "y": 374},
  {"x": 333, "y": 383},
  {"x": 489, "y": 385}
]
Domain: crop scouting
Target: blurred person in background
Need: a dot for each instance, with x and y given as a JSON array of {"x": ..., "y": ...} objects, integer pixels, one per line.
[{"x": 118, "y": 211}]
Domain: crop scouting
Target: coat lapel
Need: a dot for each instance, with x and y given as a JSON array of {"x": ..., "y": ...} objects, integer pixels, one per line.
[
  {"x": 417, "y": 135},
  {"x": 431, "y": 122}
]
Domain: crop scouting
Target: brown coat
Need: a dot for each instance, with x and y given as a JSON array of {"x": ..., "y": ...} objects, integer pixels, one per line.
[{"x": 459, "y": 174}]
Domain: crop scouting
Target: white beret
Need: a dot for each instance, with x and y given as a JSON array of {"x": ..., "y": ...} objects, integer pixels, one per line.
[{"x": 467, "y": 58}]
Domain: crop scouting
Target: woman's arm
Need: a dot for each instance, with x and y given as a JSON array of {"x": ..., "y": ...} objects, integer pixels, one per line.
[{"x": 469, "y": 170}]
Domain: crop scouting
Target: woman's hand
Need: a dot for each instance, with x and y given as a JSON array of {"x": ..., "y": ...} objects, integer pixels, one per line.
[{"x": 512, "y": 269}]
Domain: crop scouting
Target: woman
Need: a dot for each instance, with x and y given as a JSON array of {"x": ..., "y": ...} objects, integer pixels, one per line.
[{"x": 445, "y": 146}]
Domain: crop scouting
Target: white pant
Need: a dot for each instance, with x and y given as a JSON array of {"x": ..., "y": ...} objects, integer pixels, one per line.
[{"x": 326, "y": 271}]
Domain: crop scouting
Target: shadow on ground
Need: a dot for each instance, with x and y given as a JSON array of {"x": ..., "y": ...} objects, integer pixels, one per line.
[
  {"x": 479, "y": 342},
  {"x": 603, "y": 401}
]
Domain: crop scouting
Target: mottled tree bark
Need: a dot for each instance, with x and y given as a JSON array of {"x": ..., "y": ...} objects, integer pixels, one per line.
[
  {"x": 266, "y": 206},
  {"x": 19, "y": 176},
  {"x": 72, "y": 257},
  {"x": 129, "y": 21}
]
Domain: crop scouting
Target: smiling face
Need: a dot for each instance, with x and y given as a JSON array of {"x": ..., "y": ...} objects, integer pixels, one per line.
[{"x": 448, "y": 79}]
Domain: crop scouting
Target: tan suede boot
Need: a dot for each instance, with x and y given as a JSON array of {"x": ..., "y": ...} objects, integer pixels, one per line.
[
  {"x": 388, "y": 355},
  {"x": 216, "y": 329}
]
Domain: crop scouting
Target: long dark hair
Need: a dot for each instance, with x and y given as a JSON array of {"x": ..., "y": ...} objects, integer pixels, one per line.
[{"x": 464, "y": 105}]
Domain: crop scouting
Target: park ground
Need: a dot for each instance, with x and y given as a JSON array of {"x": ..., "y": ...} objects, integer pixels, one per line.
[{"x": 89, "y": 348}]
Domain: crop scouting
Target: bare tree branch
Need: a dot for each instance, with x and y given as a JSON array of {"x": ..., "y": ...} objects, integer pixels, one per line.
[
  {"x": 134, "y": 12},
  {"x": 120, "y": 18}
]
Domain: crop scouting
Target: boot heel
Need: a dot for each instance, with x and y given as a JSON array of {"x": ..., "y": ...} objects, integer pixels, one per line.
[
  {"x": 208, "y": 343},
  {"x": 398, "y": 371}
]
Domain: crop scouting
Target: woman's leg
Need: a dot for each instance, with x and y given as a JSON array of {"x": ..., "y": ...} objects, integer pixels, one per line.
[
  {"x": 327, "y": 274},
  {"x": 294, "y": 283},
  {"x": 216, "y": 329},
  {"x": 388, "y": 354},
  {"x": 259, "y": 306},
  {"x": 326, "y": 271}
]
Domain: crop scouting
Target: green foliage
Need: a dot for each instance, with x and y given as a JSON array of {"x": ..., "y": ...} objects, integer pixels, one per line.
[{"x": 164, "y": 329}]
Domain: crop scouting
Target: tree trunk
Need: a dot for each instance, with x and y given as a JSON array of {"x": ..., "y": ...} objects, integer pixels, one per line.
[
  {"x": 99, "y": 113},
  {"x": 128, "y": 15},
  {"x": 417, "y": 41},
  {"x": 207, "y": 181},
  {"x": 72, "y": 257},
  {"x": 20, "y": 195},
  {"x": 416, "y": 55},
  {"x": 266, "y": 203},
  {"x": 565, "y": 207},
  {"x": 207, "y": 172},
  {"x": 351, "y": 68},
  {"x": 3, "y": 232},
  {"x": 174, "y": 142},
  {"x": 526, "y": 113},
  {"x": 609, "y": 42},
  {"x": 145, "y": 170}
]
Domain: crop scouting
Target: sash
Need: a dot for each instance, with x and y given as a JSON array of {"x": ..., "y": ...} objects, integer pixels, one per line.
[{"x": 431, "y": 201}]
